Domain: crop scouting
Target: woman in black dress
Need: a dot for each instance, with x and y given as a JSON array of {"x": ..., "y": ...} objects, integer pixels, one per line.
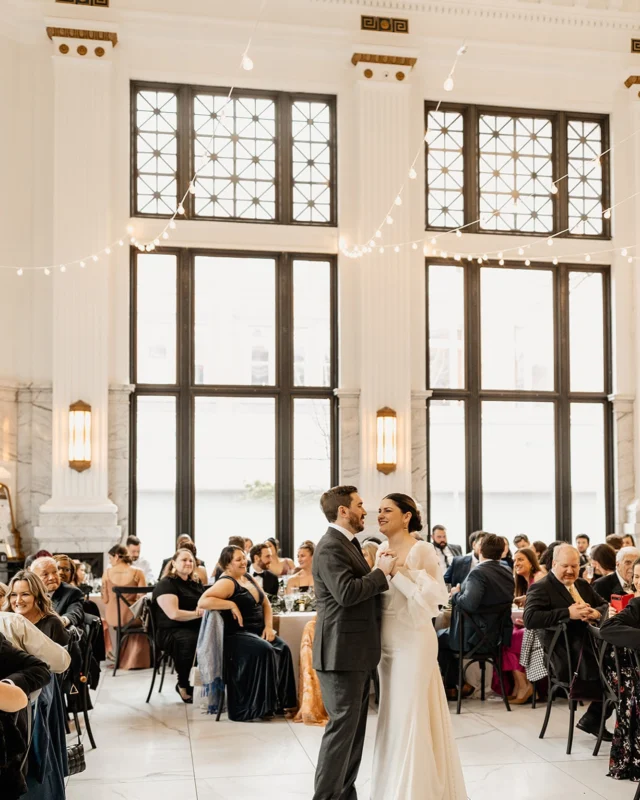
[
  {"x": 178, "y": 617},
  {"x": 28, "y": 597},
  {"x": 623, "y": 630},
  {"x": 258, "y": 665}
]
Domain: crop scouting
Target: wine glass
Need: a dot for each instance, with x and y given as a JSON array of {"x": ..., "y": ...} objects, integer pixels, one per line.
[{"x": 289, "y": 602}]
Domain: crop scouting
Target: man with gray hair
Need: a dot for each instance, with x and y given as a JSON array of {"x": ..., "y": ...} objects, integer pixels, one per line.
[
  {"x": 561, "y": 596},
  {"x": 620, "y": 581},
  {"x": 67, "y": 600}
]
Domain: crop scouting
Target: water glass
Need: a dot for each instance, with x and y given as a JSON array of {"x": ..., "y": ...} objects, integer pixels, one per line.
[{"x": 289, "y": 602}]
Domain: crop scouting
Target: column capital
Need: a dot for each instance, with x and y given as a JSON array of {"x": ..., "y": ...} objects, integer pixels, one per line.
[
  {"x": 419, "y": 397},
  {"x": 384, "y": 65},
  {"x": 81, "y": 43},
  {"x": 348, "y": 397},
  {"x": 622, "y": 402}
]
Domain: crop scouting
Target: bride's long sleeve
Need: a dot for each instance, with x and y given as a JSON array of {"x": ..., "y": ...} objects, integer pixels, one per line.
[{"x": 421, "y": 582}]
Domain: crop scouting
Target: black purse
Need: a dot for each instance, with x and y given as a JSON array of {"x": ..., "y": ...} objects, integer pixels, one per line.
[{"x": 75, "y": 758}]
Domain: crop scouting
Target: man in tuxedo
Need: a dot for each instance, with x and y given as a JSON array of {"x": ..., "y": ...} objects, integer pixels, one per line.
[
  {"x": 67, "y": 600},
  {"x": 260, "y": 555},
  {"x": 347, "y": 640},
  {"x": 582, "y": 543},
  {"x": 487, "y": 586},
  {"x": 461, "y": 566},
  {"x": 561, "y": 596},
  {"x": 620, "y": 581},
  {"x": 446, "y": 552}
]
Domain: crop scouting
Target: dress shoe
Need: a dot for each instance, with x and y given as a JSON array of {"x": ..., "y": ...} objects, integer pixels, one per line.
[
  {"x": 594, "y": 730},
  {"x": 520, "y": 701},
  {"x": 467, "y": 691}
]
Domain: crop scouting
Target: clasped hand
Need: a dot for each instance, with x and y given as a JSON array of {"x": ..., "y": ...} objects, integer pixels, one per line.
[
  {"x": 387, "y": 561},
  {"x": 584, "y": 612}
]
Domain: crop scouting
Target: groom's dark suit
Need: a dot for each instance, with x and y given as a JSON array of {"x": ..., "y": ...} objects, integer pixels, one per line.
[{"x": 345, "y": 651}]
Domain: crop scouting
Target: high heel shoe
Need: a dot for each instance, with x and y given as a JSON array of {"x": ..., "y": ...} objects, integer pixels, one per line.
[
  {"x": 520, "y": 701},
  {"x": 188, "y": 699}
]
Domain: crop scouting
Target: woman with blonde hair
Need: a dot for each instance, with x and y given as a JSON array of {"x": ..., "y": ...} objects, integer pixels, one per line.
[
  {"x": 302, "y": 580},
  {"x": 27, "y": 596},
  {"x": 134, "y": 653}
]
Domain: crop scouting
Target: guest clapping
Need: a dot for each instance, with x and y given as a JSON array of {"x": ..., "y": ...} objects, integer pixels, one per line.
[
  {"x": 179, "y": 617},
  {"x": 67, "y": 600},
  {"x": 27, "y": 596},
  {"x": 302, "y": 581},
  {"x": 260, "y": 680}
]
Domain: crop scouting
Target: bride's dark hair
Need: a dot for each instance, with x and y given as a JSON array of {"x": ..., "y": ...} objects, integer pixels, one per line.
[{"x": 407, "y": 505}]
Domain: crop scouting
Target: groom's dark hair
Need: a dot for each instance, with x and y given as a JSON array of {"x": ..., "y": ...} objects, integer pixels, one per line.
[{"x": 333, "y": 498}]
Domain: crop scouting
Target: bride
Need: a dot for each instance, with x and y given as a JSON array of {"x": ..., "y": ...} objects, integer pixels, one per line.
[{"x": 416, "y": 757}]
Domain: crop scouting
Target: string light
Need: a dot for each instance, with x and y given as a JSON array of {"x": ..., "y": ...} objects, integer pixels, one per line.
[
  {"x": 623, "y": 252},
  {"x": 413, "y": 174},
  {"x": 501, "y": 262},
  {"x": 165, "y": 235},
  {"x": 20, "y": 272},
  {"x": 247, "y": 63},
  {"x": 172, "y": 224},
  {"x": 389, "y": 219},
  {"x": 121, "y": 243},
  {"x": 448, "y": 84},
  {"x": 607, "y": 213},
  {"x": 180, "y": 209},
  {"x": 443, "y": 254},
  {"x": 433, "y": 241},
  {"x": 95, "y": 258},
  {"x": 458, "y": 233},
  {"x": 398, "y": 200},
  {"x": 414, "y": 246},
  {"x": 520, "y": 251},
  {"x": 554, "y": 189},
  {"x": 107, "y": 250},
  {"x": 587, "y": 257},
  {"x": 381, "y": 250},
  {"x": 555, "y": 262},
  {"x": 82, "y": 266},
  {"x": 47, "y": 271},
  {"x": 550, "y": 241},
  {"x": 64, "y": 269},
  {"x": 527, "y": 263}
]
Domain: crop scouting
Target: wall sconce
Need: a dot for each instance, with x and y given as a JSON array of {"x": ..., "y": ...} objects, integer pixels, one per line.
[
  {"x": 79, "y": 436},
  {"x": 386, "y": 445}
]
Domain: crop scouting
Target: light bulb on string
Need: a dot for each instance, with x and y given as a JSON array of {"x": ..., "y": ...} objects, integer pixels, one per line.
[
  {"x": 414, "y": 246},
  {"x": 413, "y": 174},
  {"x": 140, "y": 247},
  {"x": 107, "y": 250},
  {"x": 433, "y": 241},
  {"x": 607, "y": 213},
  {"x": 555, "y": 262},
  {"x": 121, "y": 243},
  {"x": 64, "y": 269},
  {"x": 500, "y": 255},
  {"x": 396, "y": 249},
  {"x": 527, "y": 263},
  {"x": 587, "y": 257},
  {"x": 156, "y": 242},
  {"x": 172, "y": 224},
  {"x": 180, "y": 209},
  {"x": 389, "y": 219},
  {"x": 501, "y": 262},
  {"x": 469, "y": 258},
  {"x": 381, "y": 250},
  {"x": 550, "y": 242},
  {"x": 378, "y": 234},
  {"x": 398, "y": 201},
  {"x": 479, "y": 261},
  {"x": 47, "y": 271},
  {"x": 485, "y": 257},
  {"x": 425, "y": 250},
  {"x": 165, "y": 235},
  {"x": 82, "y": 266},
  {"x": 20, "y": 272},
  {"x": 462, "y": 50},
  {"x": 129, "y": 228},
  {"x": 554, "y": 189},
  {"x": 94, "y": 258},
  {"x": 456, "y": 257},
  {"x": 458, "y": 233},
  {"x": 624, "y": 251},
  {"x": 372, "y": 243},
  {"x": 192, "y": 188},
  {"x": 448, "y": 84},
  {"x": 247, "y": 63},
  {"x": 520, "y": 251},
  {"x": 443, "y": 253},
  {"x": 630, "y": 260}
]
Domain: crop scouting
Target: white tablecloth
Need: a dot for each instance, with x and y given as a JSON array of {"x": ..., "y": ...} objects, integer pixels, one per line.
[{"x": 289, "y": 627}]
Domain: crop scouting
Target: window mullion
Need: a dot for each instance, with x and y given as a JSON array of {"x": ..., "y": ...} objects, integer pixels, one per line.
[
  {"x": 563, "y": 408},
  {"x": 560, "y": 170},
  {"x": 284, "y": 187},
  {"x": 471, "y": 170},
  {"x": 185, "y": 148},
  {"x": 284, "y": 431},
  {"x": 473, "y": 415}
]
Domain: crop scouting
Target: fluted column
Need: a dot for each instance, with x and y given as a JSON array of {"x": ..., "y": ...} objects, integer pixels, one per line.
[
  {"x": 385, "y": 114},
  {"x": 79, "y": 516}
]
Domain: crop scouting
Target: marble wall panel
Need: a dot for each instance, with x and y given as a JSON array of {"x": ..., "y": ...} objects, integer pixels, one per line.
[
  {"x": 119, "y": 419},
  {"x": 419, "y": 449},
  {"x": 349, "y": 435},
  {"x": 623, "y": 458}
]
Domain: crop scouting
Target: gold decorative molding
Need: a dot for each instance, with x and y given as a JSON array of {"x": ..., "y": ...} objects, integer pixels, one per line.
[
  {"x": 635, "y": 45},
  {"x": 384, "y": 24},
  {"x": 370, "y": 58},
  {"x": 77, "y": 33},
  {"x": 632, "y": 80},
  {"x": 102, "y": 3}
]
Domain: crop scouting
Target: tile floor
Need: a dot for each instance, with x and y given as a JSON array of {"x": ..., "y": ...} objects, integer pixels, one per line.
[{"x": 169, "y": 751}]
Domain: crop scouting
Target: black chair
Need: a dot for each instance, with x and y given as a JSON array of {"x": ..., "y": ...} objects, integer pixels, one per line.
[
  {"x": 487, "y": 650},
  {"x": 560, "y": 668},
  {"x": 159, "y": 658},
  {"x": 611, "y": 690},
  {"x": 92, "y": 630},
  {"x": 132, "y": 628}
]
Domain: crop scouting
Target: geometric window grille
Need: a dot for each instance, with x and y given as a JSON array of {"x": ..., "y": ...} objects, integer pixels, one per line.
[
  {"x": 584, "y": 182},
  {"x": 237, "y": 138},
  {"x": 156, "y": 152},
  {"x": 515, "y": 173},
  {"x": 445, "y": 169},
  {"x": 311, "y": 161}
]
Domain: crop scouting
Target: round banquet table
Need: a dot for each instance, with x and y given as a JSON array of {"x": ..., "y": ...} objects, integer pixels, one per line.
[{"x": 289, "y": 627}]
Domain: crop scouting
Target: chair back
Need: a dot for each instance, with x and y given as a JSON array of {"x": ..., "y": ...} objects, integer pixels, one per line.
[
  {"x": 553, "y": 656},
  {"x": 602, "y": 649},
  {"x": 489, "y": 638}
]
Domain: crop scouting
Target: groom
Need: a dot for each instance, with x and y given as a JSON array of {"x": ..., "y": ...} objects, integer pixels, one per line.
[{"x": 347, "y": 639}]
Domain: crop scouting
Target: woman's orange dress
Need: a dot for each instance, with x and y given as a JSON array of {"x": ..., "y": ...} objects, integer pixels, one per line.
[{"x": 135, "y": 652}]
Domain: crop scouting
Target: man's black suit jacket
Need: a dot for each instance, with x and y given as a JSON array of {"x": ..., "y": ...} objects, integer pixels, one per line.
[
  {"x": 547, "y": 605},
  {"x": 490, "y": 584},
  {"x": 347, "y": 593},
  {"x": 270, "y": 583},
  {"x": 608, "y": 585},
  {"x": 623, "y": 629},
  {"x": 458, "y": 569},
  {"x": 68, "y": 601}
]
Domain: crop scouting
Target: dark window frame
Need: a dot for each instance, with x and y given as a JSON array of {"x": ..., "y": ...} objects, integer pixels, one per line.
[
  {"x": 561, "y": 396},
  {"x": 185, "y": 159},
  {"x": 559, "y": 159},
  {"x": 185, "y": 390}
]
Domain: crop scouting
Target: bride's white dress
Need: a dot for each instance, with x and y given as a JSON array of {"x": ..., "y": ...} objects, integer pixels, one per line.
[{"x": 416, "y": 757}]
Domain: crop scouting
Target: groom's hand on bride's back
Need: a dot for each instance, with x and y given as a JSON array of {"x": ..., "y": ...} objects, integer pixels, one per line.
[{"x": 386, "y": 562}]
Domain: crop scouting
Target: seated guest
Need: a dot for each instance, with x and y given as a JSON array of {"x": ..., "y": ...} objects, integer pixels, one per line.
[
  {"x": 26, "y": 636},
  {"x": 260, "y": 569},
  {"x": 28, "y": 597},
  {"x": 539, "y": 546},
  {"x": 628, "y": 540},
  {"x": 526, "y": 570},
  {"x": 248, "y": 544},
  {"x": 3, "y": 593},
  {"x": 40, "y": 554},
  {"x": 134, "y": 545},
  {"x": 546, "y": 559},
  {"x": 66, "y": 569},
  {"x": 67, "y": 600},
  {"x": 582, "y": 543},
  {"x": 620, "y": 581},
  {"x": 184, "y": 537},
  {"x": 614, "y": 540},
  {"x": 623, "y": 631},
  {"x": 446, "y": 552},
  {"x": 461, "y": 566},
  {"x": 178, "y": 616},
  {"x": 234, "y": 541},
  {"x": 260, "y": 679},
  {"x": 200, "y": 571},
  {"x": 302, "y": 581},
  {"x": 561, "y": 596},
  {"x": 521, "y": 540},
  {"x": 370, "y": 552},
  {"x": 507, "y": 558},
  {"x": 603, "y": 560},
  {"x": 20, "y": 674},
  {"x": 121, "y": 573},
  {"x": 80, "y": 580},
  {"x": 488, "y": 585},
  {"x": 279, "y": 566}
]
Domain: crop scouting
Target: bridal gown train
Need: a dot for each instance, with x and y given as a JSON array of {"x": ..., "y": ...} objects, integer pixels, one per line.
[{"x": 416, "y": 757}]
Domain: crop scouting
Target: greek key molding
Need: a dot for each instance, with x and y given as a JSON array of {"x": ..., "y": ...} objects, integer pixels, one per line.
[
  {"x": 372, "y": 58},
  {"x": 77, "y": 33}
]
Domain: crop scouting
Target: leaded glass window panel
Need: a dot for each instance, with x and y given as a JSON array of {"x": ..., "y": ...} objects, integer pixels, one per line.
[
  {"x": 311, "y": 161},
  {"x": 584, "y": 144},
  {"x": 237, "y": 139},
  {"x": 156, "y": 136},
  {"x": 445, "y": 169},
  {"x": 515, "y": 173}
]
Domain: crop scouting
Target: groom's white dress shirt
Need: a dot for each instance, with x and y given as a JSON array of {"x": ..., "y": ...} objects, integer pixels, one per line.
[{"x": 350, "y": 536}]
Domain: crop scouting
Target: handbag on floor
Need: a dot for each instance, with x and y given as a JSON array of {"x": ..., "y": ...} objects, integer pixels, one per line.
[{"x": 75, "y": 758}]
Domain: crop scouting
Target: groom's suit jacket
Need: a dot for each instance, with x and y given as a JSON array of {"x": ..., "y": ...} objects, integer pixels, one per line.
[{"x": 347, "y": 593}]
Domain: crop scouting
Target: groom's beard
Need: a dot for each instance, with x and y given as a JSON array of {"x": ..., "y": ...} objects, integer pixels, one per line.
[
  {"x": 440, "y": 545},
  {"x": 356, "y": 523}
]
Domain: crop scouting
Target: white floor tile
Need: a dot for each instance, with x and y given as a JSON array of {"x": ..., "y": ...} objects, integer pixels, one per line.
[
  {"x": 132, "y": 790},
  {"x": 523, "y": 781}
]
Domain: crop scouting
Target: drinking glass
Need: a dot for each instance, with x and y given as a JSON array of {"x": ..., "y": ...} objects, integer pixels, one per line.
[{"x": 289, "y": 602}]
